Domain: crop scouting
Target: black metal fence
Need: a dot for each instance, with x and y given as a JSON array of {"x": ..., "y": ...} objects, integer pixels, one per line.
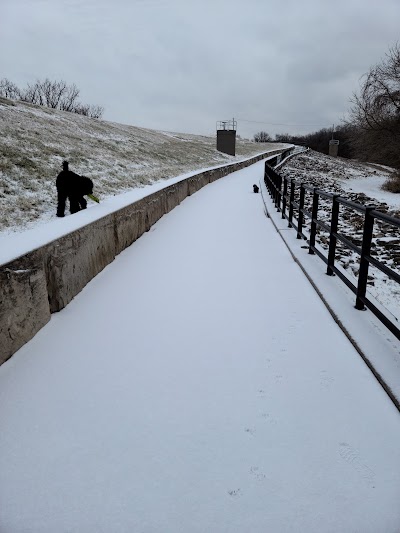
[{"x": 290, "y": 196}]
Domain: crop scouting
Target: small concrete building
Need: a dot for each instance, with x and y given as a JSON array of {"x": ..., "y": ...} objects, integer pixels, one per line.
[
  {"x": 333, "y": 147},
  {"x": 226, "y": 136}
]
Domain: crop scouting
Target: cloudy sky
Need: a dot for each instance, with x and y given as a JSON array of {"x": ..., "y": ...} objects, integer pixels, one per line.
[{"x": 181, "y": 65}]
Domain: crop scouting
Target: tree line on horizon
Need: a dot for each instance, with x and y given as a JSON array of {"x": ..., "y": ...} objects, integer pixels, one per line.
[
  {"x": 54, "y": 94},
  {"x": 372, "y": 131}
]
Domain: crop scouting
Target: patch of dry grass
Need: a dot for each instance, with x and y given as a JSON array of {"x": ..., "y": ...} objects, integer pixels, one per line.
[{"x": 393, "y": 183}]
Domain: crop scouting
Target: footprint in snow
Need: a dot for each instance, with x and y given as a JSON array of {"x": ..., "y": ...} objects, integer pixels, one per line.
[
  {"x": 352, "y": 457},
  {"x": 256, "y": 472},
  {"x": 235, "y": 493},
  {"x": 269, "y": 418}
]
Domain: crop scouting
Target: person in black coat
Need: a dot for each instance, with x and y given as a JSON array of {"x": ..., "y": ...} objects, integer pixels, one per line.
[{"x": 72, "y": 186}]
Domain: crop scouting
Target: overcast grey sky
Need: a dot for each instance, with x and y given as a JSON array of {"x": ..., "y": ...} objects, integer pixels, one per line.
[{"x": 181, "y": 65}]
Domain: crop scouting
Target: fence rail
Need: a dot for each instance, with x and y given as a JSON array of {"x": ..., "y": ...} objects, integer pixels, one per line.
[{"x": 284, "y": 191}]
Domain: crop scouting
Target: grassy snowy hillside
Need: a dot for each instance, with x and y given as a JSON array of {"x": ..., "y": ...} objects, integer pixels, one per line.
[{"x": 117, "y": 157}]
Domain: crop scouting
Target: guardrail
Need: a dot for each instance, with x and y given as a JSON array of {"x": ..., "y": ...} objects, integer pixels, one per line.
[{"x": 289, "y": 197}]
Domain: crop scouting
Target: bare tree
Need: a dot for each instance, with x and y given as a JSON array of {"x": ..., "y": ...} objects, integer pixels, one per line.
[
  {"x": 96, "y": 111},
  {"x": 377, "y": 106},
  {"x": 81, "y": 109},
  {"x": 54, "y": 94},
  {"x": 262, "y": 137},
  {"x": 31, "y": 95},
  {"x": 375, "y": 112},
  {"x": 8, "y": 89},
  {"x": 282, "y": 138},
  {"x": 91, "y": 111},
  {"x": 69, "y": 100}
]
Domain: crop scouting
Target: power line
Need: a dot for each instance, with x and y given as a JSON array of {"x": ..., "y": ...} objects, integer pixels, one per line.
[{"x": 275, "y": 124}]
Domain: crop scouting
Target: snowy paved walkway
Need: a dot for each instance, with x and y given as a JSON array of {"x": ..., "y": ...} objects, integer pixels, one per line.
[{"x": 197, "y": 384}]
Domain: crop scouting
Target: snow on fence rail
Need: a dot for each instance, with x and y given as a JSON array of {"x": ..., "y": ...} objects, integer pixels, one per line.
[
  {"x": 285, "y": 192},
  {"x": 45, "y": 280}
]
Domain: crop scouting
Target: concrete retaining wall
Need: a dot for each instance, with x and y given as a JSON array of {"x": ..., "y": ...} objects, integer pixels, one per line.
[{"x": 46, "y": 280}]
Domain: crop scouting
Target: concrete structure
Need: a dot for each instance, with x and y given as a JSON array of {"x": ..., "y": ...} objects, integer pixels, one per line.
[
  {"x": 226, "y": 136},
  {"x": 45, "y": 280},
  {"x": 226, "y": 141},
  {"x": 333, "y": 147}
]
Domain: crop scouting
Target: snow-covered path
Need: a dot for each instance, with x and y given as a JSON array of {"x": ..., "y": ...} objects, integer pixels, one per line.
[{"x": 198, "y": 384}]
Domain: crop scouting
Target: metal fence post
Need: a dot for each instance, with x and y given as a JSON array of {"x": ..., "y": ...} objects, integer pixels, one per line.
[
  {"x": 279, "y": 191},
  {"x": 301, "y": 216},
  {"x": 291, "y": 200},
  {"x": 365, "y": 251},
  {"x": 284, "y": 197},
  {"x": 267, "y": 179},
  {"x": 273, "y": 185},
  {"x": 276, "y": 189},
  {"x": 332, "y": 235},
  {"x": 314, "y": 217}
]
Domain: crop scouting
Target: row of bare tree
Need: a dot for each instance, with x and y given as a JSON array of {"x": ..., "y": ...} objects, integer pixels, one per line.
[
  {"x": 372, "y": 131},
  {"x": 374, "y": 126},
  {"x": 54, "y": 94}
]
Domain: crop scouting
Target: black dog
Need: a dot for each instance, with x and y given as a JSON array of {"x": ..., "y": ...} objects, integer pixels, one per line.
[
  {"x": 74, "y": 187},
  {"x": 255, "y": 188}
]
